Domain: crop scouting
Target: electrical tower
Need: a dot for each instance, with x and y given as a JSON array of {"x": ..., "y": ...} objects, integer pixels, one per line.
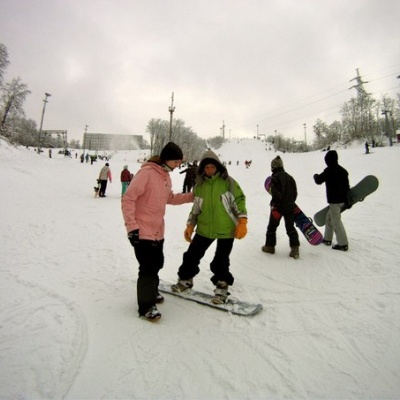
[
  {"x": 361, "y": 93},
  {"x": 362, "y": 97}
]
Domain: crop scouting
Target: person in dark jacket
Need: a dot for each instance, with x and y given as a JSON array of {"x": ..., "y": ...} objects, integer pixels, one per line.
[
  {"x": 190, "y": 177},
  {"x": 284, "y": 195},
  {"x": 336, "y": 180}
]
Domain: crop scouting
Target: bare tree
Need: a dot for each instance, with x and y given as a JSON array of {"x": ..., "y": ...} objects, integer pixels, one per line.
[
  {"x": 191, "y": 145},
  {"x": 4, "y": 61},
  {"x": 12, "y": 100}
]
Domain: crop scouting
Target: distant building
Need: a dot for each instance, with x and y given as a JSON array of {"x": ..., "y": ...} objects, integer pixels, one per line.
[{"x": 108, "y": 141}]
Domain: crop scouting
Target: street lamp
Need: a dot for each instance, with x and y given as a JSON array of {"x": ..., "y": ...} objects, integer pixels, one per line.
[
  {"x": 41, "y": 122},
  {"x": 171, "y": 110}
]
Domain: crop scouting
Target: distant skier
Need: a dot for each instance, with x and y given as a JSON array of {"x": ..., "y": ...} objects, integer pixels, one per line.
[
  {"x": 104, "y": 176},
  {"x": 336, "y": 180},
  {"x": 190, "y": 177},
  {"x": 126, "y": 178}
]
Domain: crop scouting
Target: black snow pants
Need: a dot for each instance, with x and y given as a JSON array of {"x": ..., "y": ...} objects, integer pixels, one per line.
[
  {"x": 150, "y": 257},
  {"x": 219, "y": 265}
]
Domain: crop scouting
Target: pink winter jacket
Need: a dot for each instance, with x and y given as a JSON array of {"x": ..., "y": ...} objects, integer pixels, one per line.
[{"x": 144, "y": 203}]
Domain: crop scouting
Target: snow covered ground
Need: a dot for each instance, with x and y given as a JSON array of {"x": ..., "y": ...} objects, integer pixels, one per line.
[{"x": 330, "y": 328}]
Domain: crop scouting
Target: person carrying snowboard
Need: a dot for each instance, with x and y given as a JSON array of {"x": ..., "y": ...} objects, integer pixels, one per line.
[
  {"x": 218, "y": 213},
  {"x": 143, "y": 210},
  {"x": 337, "y": 184},
  {"x": 284, "y": 195}
]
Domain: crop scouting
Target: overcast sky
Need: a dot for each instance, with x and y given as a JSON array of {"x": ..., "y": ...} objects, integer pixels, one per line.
[{"x": 278, "y": 64}]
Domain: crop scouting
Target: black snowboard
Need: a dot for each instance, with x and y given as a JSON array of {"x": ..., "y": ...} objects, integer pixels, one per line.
[{"x": 357, "y": 193}]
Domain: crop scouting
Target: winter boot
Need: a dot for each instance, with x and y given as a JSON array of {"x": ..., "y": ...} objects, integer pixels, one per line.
[
  {"x": 152, "y": 314},
  {"x": 159, "y": 298},
  {"x": 294, "y": 252},
  {"x": 345, "y": 247},
  {"x": 182, "y": 285},
  {"x": 268, "y": 249},
  {"x": 221, "y": 293}
]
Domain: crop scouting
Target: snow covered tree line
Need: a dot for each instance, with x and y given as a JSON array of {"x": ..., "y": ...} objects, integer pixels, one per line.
[
  {"x": 190, "y": 143},
  {"x": 363, "y": 118}
]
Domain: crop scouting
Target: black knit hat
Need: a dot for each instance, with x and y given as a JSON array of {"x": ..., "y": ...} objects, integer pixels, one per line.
[
  {"x": 331, "y": 158},
  {"x": 171, "y": 151},
  {"x": 276, "y": 163}
]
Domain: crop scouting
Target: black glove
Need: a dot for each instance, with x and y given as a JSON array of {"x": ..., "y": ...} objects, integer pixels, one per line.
[{"x": 133, "y": 237}]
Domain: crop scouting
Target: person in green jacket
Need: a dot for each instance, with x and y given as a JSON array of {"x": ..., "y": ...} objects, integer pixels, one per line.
[{"x": 218, "y": 213}]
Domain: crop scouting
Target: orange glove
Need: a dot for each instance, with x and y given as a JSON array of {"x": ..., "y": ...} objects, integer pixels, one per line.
[
  {"x": 241, "y": 228},
  {"x": 188, "y": 233}
]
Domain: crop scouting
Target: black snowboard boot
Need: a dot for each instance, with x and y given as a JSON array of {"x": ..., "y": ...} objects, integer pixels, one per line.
[
  {"x": 152, "y": 314},
  {"x": 345, "y": 247},
  {"x": 294, "y": 252},
  {"x": 268, "y": 249},
  {"x": 159, "y": 298}
]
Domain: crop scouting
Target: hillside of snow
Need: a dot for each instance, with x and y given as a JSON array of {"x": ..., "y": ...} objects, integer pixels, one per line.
[{"x": 69, "y": 328}]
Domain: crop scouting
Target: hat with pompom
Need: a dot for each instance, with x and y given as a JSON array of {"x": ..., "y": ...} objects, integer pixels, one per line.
[{"x": 276, "y": 163}]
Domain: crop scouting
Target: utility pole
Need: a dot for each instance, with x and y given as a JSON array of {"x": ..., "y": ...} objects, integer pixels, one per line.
[
  {"x": 388, "y": 131},
  {"x": 257, "y": 132},
  {"x": 41, "y": 121},
  {"x": 171, "y": 110},
  {"x": 305, "y": 133},
  {"x": 84, "y": 139},
  {"x": 223, "y": 130}
]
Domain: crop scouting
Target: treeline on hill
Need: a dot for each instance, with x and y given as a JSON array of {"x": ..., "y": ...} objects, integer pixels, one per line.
[
  {"x": 362, "y": 118},
  {"x": 191, "y": 144}
]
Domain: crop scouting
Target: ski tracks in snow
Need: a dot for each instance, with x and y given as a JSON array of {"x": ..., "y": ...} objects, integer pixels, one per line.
[{"x": 43, "y": 332}]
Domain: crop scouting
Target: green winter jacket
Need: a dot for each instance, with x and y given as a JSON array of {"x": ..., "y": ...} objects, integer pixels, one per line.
[{"x": 218, "y": 203}]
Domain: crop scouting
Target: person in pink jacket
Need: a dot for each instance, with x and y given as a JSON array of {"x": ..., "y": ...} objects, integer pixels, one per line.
[{"x": 143, "y": 210}]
